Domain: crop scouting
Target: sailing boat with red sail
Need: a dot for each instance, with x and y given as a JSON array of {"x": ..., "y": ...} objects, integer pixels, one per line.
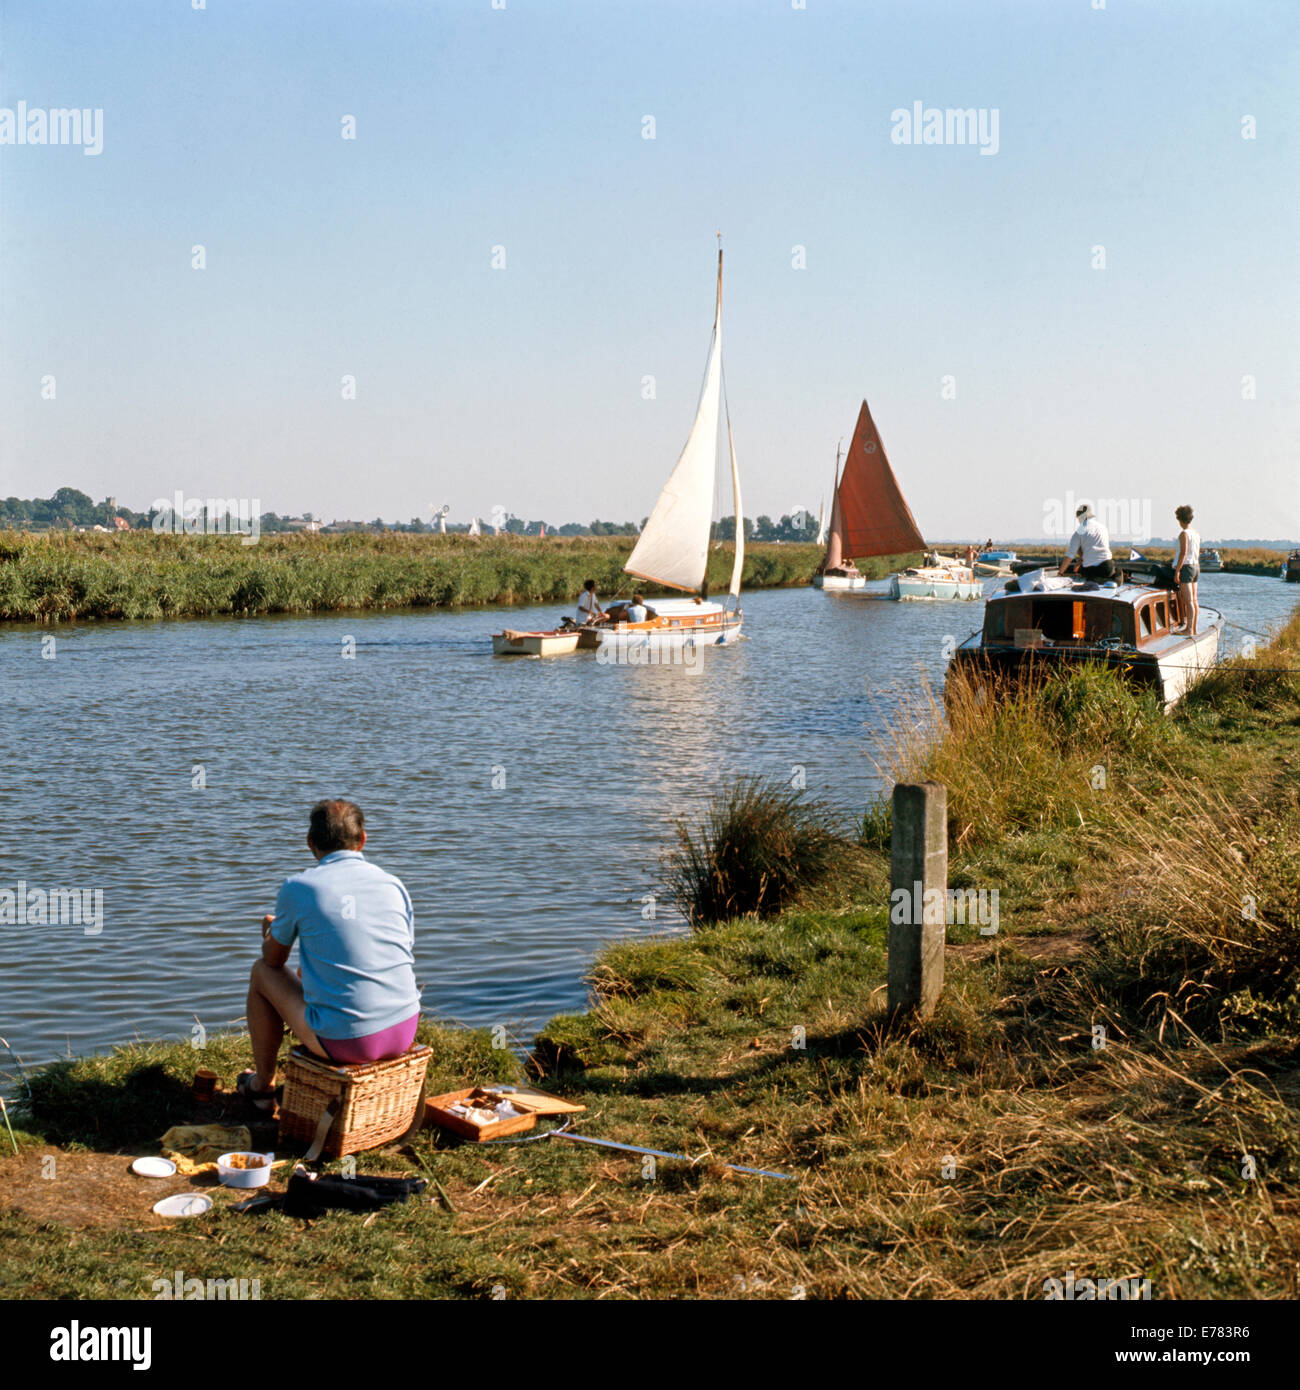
[{"x": 870, "y": 516}]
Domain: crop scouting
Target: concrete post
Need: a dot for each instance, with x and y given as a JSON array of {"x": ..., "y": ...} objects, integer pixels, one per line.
[{"x": 918, "y": 863}]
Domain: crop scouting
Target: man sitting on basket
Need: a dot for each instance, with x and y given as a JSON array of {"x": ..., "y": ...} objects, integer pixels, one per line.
[{"x": 354, "y": 999}]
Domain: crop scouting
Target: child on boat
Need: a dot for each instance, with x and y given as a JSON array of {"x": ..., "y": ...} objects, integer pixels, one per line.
[{"x": 1187, "y": 570}]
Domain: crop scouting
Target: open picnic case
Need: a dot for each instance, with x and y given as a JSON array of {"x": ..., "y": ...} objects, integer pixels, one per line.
[{"x": 481, "y": 1113}]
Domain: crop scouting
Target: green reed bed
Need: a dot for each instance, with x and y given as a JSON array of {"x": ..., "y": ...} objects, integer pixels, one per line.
[{"x": 60, "y": 577}]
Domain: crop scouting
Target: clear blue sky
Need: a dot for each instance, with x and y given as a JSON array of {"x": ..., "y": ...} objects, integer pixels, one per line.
[{"x": 522, "y": 127}]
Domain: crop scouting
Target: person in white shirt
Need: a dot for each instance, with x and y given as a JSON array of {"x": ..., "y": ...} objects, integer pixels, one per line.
[
  {"x": 638, "y": 613},
  {"x": 589, "y": 611},
  {"x": 1090, "y": 546},
  {"x": 1187, "y": 570}
]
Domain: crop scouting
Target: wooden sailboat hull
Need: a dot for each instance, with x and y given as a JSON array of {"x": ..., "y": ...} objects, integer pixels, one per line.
[
  {"x": 668, "y": 633},
  {"x": 839, "y": 583}
]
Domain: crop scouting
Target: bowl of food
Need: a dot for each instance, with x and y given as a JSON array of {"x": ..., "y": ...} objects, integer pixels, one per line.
[{"x": 240, "y": 1169}]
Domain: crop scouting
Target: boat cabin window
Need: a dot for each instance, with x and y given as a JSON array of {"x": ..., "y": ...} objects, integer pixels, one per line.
[
  {"x": 1162, "y": 615},
  {"x": 1063, "y": 619},
  {"x": 1144, "y": 620}
]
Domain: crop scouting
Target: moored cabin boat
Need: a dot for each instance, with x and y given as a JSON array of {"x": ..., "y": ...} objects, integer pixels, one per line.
[
  {"x": 1291, "y": 570},
  {"x": 1211, "y": 562},
  {"x": 1041, "y": 620}
]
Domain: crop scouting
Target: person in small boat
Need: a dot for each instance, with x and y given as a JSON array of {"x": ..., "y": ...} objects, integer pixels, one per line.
[
  {"x": 589, "y": 610},
  {"x": 1187, "y": 570},
  {"x": 1089, "y": 547},
  {"x": 354, "y": 999}
]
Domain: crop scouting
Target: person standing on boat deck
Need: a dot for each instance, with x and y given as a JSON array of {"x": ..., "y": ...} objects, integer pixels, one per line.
[
  {"x": 589, "y": 611},
  {"x": 1090, "y": 545},
  {"x": 1187, "y": 570},
  {"x": 357, "y": 999}
]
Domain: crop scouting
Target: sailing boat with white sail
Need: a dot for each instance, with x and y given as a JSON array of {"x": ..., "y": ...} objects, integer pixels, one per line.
[
  {"x": 673, "y": 548},
  {"x": 871, "y": 517}
]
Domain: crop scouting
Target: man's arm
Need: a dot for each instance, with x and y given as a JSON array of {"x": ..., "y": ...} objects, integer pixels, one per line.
[{"x": 273, "y": 953}]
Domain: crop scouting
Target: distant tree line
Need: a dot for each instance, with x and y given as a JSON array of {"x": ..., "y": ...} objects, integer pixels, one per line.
[{"x": 69, "y": 508}]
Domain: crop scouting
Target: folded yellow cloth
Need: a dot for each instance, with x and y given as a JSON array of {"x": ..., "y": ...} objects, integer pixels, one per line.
[{"x": 196, "y": 1148}]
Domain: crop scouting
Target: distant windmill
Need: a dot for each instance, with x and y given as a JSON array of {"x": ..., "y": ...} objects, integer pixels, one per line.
[{"x": 441, "y": 514}]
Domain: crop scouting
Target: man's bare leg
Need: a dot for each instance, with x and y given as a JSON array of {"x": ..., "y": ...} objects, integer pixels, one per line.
[{"x": 274, "y": 1002}]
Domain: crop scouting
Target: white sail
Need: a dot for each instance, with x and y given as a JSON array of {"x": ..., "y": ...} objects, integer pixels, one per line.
[
  {"x": 738, "y": 565},
  {"x": 673, "y": 548},
  {"x": 473, "y": 528}
]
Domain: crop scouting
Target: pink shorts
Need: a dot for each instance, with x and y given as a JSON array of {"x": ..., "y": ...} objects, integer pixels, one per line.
[{"x": 373, "y": 1047}]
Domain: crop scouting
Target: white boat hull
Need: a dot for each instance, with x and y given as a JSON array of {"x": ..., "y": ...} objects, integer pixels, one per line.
[
  {"x": 839, "y": 583},
  {"x": 629, "y": 637},
  {"x": 1179, "y": 668},
  {"x": 933, "y": 586},
  {"x": 678, "y": 625}
]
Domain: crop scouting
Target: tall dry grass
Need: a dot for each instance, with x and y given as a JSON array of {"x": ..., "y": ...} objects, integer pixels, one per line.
[{"x": 1033, "y": 757}]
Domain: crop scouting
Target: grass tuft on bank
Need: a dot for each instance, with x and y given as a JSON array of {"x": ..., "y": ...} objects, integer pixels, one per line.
[{"x": 760, "y": 847}]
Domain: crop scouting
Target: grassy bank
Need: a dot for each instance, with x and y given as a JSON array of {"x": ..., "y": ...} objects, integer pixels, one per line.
[
  {"x": 977, "y": 1154},
  {"x": 62, "y": 577}
]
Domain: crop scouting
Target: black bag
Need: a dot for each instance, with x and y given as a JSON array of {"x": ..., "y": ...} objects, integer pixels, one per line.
[
  {"x": 309, "y": 1196},
  {"x": 1164, "y": 577}
]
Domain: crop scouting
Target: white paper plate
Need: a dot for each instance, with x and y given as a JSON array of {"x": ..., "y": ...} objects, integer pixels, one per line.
[
  {"x": 183, "y": 1204},
  {"x": 154, "y": 1167}
]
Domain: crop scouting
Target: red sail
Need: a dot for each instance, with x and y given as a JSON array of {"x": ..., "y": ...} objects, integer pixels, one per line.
[{"x": 875, "y": 518}]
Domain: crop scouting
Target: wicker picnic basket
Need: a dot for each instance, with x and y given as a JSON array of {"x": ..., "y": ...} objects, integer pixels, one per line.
[{"x": 372, "y": 1104}]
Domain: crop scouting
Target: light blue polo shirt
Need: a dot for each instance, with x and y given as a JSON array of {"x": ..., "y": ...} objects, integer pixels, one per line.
[{"x": 355, "y": 929}]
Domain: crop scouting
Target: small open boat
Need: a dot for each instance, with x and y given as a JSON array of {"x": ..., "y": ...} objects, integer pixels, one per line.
[
  {"x": 995, "y": 562},
  {"x": 870, "y": 516},
  {"x": 672, "y": 550},
  {"x": 555, "y": 642},
  {"x": 1040, "y": 619}
]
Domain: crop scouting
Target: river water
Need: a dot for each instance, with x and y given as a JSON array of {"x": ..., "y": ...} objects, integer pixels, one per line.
[{"x": 525, "y": 803}]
